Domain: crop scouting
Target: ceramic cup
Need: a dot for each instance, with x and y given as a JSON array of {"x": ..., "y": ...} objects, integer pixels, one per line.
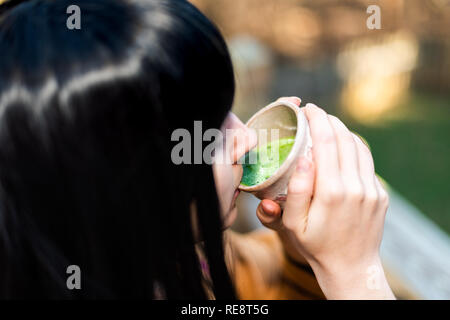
[{"x": 290, "y": 121}]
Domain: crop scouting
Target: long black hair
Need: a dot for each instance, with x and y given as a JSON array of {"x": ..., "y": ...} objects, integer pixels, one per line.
[{"x": 86, "y": 176}]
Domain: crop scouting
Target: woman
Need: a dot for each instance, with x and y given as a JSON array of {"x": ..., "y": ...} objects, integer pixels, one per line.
[{"x": 86, "y": 176}]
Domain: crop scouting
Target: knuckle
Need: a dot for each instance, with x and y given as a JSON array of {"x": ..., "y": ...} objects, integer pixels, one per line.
[
  {"x": 355, "y": 194},
  {"x": 371, "y": 198},
  {"x": 384, "y": 199}
]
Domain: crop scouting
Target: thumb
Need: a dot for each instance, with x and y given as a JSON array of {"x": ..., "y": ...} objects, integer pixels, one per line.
[
  {"x": 294, "y": 100},
  {"x": 269, "y": 213},
  {"x": 300, "y": 191}
]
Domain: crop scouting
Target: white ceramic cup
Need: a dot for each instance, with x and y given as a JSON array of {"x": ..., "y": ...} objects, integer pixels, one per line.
[{"x": 290, "y": 121}]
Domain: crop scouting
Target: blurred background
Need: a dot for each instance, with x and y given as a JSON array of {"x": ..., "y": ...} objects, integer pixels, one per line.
[{"x": 391, "y": 85}]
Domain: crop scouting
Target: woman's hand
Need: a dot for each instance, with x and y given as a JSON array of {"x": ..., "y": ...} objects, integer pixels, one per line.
[{"x": 334, "y": 212}]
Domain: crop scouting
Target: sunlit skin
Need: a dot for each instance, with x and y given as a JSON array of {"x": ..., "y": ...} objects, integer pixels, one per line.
[{"x": 335, "y": 209}]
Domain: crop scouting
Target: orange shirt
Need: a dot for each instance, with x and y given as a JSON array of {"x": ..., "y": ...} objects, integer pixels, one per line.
[{"x": 261, "y": 270}]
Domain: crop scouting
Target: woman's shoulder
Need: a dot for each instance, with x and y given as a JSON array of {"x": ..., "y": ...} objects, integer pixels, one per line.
[{"x": 261, "y": 270}]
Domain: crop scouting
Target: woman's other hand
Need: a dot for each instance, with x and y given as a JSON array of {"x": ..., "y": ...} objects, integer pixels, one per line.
[{"x": 334, "y": 212}]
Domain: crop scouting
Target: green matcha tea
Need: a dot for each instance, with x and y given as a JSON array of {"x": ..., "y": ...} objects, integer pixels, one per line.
[{"x": 268, "y": 159}]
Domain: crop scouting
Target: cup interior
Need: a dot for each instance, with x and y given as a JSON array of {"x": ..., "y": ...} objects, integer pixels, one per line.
[{"x": 280, "y": 116}]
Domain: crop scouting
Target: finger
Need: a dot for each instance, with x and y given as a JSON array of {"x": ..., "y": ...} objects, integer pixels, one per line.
[
  {"x": 294, "y": 100},
  {"x": 381, "y": 182},
  {"x": 347, "y": 154},
  {"x": 242, "y": 140},
  {"x": 365, "y": 160},
  {"x": 362, "y": 139},
  {"x": 300, "y": 190},
  {"x": 269, "y": 213},
  {"x": 366, "y": 172},
  {"x": 324, "y": 151},
  {"x": 238, "y": 139},
  {"x": 382, "y": 192}
]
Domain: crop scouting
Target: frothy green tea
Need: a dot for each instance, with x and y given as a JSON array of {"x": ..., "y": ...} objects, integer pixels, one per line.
[{"x": 262, "y": 162}]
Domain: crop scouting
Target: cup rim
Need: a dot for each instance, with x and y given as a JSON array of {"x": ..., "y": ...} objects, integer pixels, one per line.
[{"x": 301, "y": 124}]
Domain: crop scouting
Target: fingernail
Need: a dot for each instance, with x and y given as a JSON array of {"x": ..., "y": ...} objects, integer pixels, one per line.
[
  {"x": 297, "y": 99},
  {"x": 268, "y": 208},
  {"x": 303, "y": 165}
]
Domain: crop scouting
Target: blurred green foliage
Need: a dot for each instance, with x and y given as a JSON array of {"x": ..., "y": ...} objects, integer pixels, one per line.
[{"x": 411, "y": 150}]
